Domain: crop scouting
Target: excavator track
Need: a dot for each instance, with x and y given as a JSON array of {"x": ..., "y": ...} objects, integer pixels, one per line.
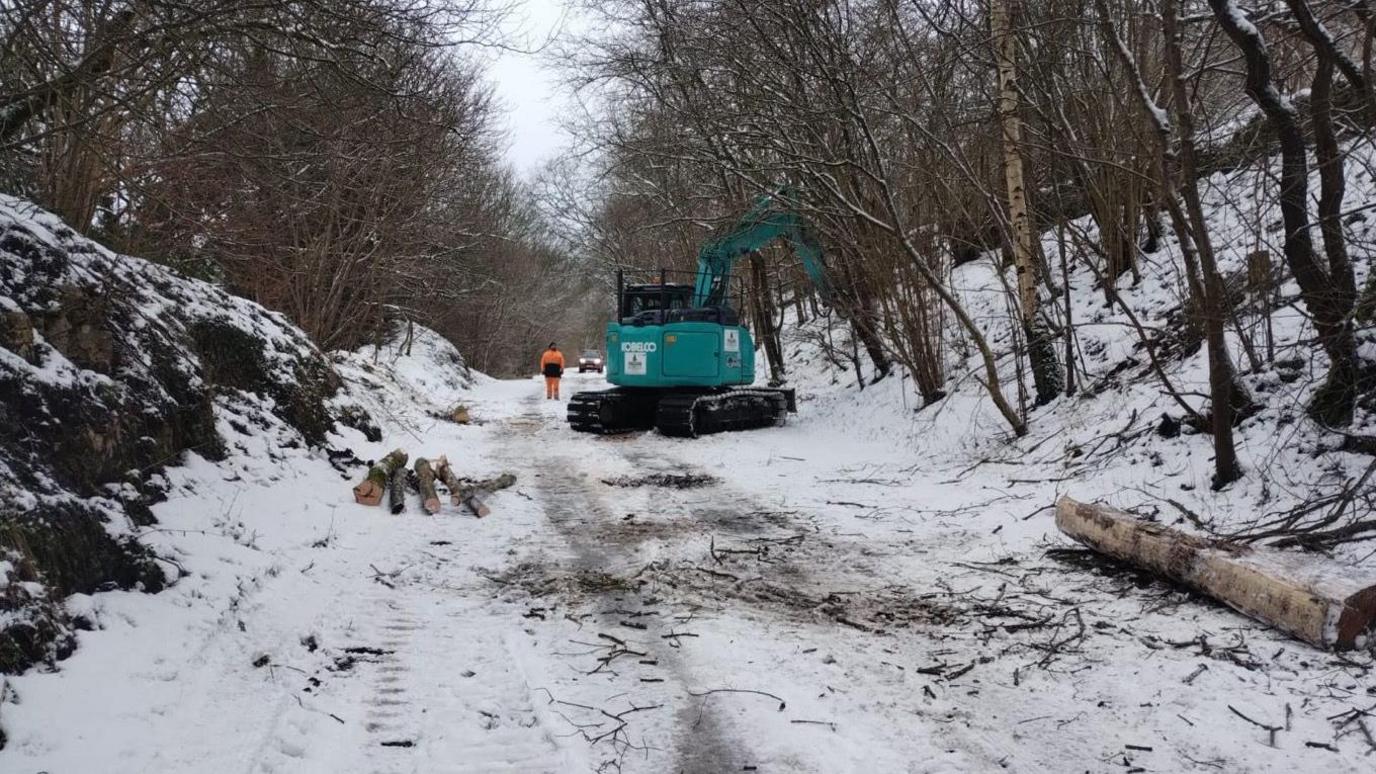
[
  {"x": 611, "y": 411},
  {"x": 691, "y": 414}
]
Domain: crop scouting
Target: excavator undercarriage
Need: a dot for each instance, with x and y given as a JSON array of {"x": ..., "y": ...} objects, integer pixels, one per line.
[{"x": 686, "y": 413}]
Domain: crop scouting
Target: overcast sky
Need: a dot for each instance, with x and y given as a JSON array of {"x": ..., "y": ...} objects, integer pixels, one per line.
[{"x": 527, "y": 88}]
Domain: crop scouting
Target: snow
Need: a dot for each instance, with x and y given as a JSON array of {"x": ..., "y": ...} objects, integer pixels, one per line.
[
  {"x": 868, "y": 588},
  {"x": 903, "y": 615}
]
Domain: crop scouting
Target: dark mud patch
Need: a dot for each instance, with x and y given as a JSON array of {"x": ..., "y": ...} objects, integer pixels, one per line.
[
  {"x": 539, "y": 580},
  {"x": 746, "y": 522},
  {"x": 633, "y": 528},
  {"x": 663, "y": 481},
  {"x": 367, "y": 650},
  {"x": 879, "y": 610}
]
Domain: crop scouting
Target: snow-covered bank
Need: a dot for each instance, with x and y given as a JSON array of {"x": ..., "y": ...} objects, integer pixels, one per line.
[
  {"x": 111, "y": 368},
  {"x": 1121, "y": 437},
  {"x": 272, "y": 559}
]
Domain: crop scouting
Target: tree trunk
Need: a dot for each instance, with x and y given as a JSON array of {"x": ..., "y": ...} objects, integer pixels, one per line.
[
  {"x": 425, "y": 478},
  {"x": 1312, "y": 599},
  {"x": 1178, "y": 176},
  {"x": 116, "y": 32},
  {"x": 1329, "y": 306},
  {"x": 762, "y": 307},
  {"x": 370, "y": 491},
  {"x": 855, "y": 303},
  {"x": 1343, "y": 374},
  {"x": 1041, "y": 349}
]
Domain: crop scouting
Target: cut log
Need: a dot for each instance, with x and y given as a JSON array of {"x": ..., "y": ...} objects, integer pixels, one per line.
[
  {"x": 396, "y": 490},
  {"x": 469, "y": 493},
  {"x": 473, "y": 501},
  {"x": 370, "y": 491},
  {"x": 475, "y": 492},
  {"x": 425, "y": 480},
  {"x": 1314, "y": 599},
  {"x": 491, "y": 485},
  {"x": 451, "y": 482}
]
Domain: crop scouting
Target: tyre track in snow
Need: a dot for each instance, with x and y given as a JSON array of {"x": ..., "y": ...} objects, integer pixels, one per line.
[{"x": 577, "y": 511}]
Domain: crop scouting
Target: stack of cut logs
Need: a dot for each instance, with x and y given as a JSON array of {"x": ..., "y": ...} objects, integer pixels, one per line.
[{"x": 389, "y": 476}]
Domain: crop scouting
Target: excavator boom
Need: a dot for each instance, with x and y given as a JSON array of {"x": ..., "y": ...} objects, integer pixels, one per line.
[{"x": 766, "y": 221}]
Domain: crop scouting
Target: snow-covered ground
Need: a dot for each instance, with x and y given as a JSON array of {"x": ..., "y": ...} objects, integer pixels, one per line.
[{"x": 812, "y": 598}]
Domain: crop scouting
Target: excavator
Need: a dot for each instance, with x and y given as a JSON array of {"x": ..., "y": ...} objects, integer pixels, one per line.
[{"x": 679, "y": 356}]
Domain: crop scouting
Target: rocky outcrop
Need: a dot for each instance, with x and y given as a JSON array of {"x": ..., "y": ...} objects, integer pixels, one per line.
[{"x": 110, "y": 369}]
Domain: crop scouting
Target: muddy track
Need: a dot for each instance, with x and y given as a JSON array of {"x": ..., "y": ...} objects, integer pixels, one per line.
[
  {"x": 664, "y": 544},
  {"x": 604, "y": 550}
]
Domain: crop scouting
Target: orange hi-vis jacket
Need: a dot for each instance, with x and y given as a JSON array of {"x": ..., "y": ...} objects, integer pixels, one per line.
[{"x": 552, "y": 363}]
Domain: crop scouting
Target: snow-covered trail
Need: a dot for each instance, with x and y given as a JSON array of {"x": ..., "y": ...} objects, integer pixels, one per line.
[{"x": 787, "y": 600}]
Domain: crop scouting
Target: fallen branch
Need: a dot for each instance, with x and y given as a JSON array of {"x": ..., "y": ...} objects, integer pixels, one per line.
[
  {"x": 782, "y": 703},
  {"x": 1269, "y": 728}
]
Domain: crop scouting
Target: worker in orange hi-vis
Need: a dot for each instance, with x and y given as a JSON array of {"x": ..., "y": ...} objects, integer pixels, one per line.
[{"x": 552, "y": 366}]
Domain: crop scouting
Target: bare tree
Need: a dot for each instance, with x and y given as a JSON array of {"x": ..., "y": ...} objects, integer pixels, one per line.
[{"x": 1328, "y": 290}]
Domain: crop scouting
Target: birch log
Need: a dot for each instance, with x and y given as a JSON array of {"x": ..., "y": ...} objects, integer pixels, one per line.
[
  {"x": 370, "y": 491},
  {"x": 425, "y": 478},
  {"x": 1317, "y": 600}
]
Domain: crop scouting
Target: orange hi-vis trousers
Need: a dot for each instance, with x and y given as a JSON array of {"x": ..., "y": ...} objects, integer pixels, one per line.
[{"x": 551, "y": 386}]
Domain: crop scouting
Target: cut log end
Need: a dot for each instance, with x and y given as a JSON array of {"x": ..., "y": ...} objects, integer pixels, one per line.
[
  {"x": 368, "y": 493},
  {"x": 1357, "y": 621},
  {"x": 475, "y": 504},
  {"x": 371, "y": 490}
]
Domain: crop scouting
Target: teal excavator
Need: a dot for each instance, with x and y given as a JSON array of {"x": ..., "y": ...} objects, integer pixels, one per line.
[{"x": 679, "y": 356}]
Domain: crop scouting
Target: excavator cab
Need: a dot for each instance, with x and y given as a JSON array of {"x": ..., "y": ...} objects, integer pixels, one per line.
[
  {"x": 658, "y": 304},
  {"x": 652, "y": 304}
]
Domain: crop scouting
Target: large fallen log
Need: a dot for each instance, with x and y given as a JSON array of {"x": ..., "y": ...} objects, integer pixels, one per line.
[
  {"x": 370, "y": 491},
  {"x": 425, "y": 481},
  {"x": 1314, "y": 599}
]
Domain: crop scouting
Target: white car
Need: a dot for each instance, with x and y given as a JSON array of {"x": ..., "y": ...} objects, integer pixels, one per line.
[{"x": 590, "y": 361}]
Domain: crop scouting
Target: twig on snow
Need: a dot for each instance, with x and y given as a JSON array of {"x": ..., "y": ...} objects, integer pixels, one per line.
[{"x": 782, "y": 703}]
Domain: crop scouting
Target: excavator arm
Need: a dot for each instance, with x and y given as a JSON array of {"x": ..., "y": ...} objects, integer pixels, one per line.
[{"x": 765, "y": 222}]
